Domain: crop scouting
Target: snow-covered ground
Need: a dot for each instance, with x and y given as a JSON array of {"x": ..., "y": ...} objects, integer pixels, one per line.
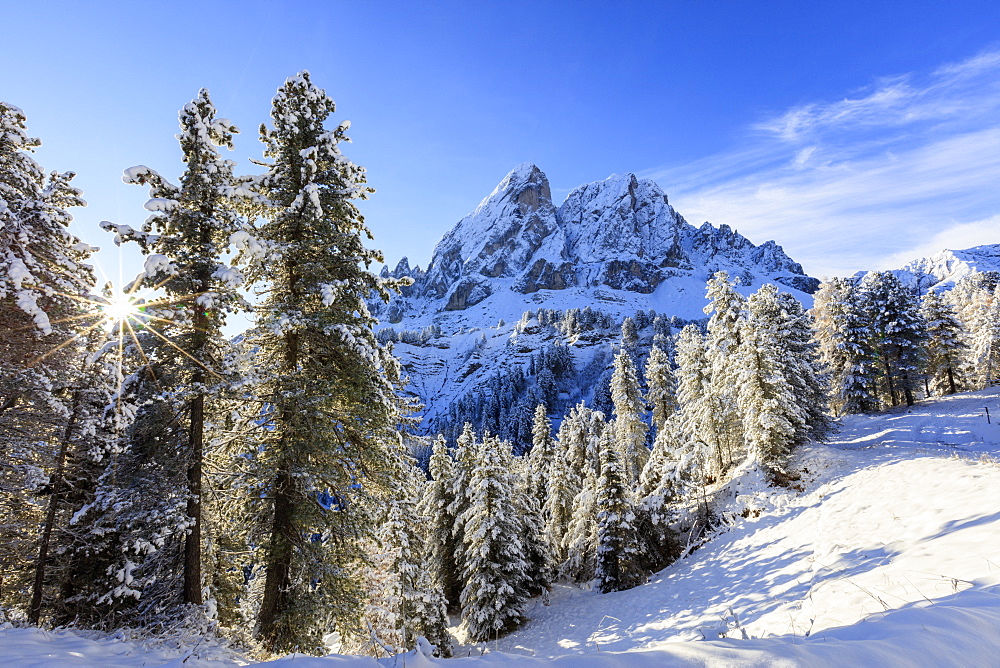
[{"x": 890, "y": 555}]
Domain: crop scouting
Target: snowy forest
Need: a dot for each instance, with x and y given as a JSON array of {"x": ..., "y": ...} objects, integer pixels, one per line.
[{"x": 278, "y": 490}]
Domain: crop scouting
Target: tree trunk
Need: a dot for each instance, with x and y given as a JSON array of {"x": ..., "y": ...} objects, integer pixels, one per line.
[
  {"x": 888, "y": 379},
  {"x": 279, "y": 560},
  {"x": 951, "y": 381},
  {"x": 192, "y": 543},
  {"x": 907, "y": 392},
  {"x": 196, "y": 445},
  {"x": 57, "y": 484}
]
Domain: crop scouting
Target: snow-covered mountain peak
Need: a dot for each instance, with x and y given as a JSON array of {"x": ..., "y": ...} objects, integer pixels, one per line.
[
  {"x": 942, "y": 270},
  {"x": 525, "y": 180},
  {"x": 620, "y": 234},
  {"x": 612, "y": 249}
]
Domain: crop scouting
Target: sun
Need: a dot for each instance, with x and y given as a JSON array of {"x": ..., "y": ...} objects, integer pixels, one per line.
[{"x": 120, "y": 306}]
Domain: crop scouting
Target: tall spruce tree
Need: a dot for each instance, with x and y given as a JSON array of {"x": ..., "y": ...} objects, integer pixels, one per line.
[
  {"x": 579, "y": 439},
  {"x": 977, "y": 301},
  {"x": 618, "y": 558},
  {"x": 540, "y": 457},
  {"x": 772, "y": 412},
  {"x": 330, "y": 400},
  {"x": 986, "y": 342},
  {"x": 405, "y": 602},
  {"x": 187, "y": 236},
  {"x": 697, "y": 420},
  {"x": 945, "y": 348},
  {"x": 580, "y": 539},
  {"x": 657, "y": 499},
  {"x": 495, "y": 568},
  {"x": 896, "y": 334},
  {"x": 630, "y": 337},
  {"x": 803, "y": 368},
  {"x": 630, "y": 428},
  {"x": 44, "y": 306},
  {"x": 467, "y": 454},
  {"x": 727, "y": 312},
  {"x": 527, "y": 506},
  {"x": 661, "y": 387},
  {"x": 557, "y": 512},
  {"x": 436, "y": 507},
  {"x": 841, "y": 334}
]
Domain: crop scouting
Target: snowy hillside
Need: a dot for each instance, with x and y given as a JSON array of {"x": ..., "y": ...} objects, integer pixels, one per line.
[
  {"x": 887, "y": 556},
  {"x": 943, "y": 270},
  {"x": 615, "y": 246},
  {"x": 899, "y": 509}
]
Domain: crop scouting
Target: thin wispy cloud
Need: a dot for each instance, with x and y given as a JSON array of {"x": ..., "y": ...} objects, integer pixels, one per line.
[{"x": 865, "y": 181}]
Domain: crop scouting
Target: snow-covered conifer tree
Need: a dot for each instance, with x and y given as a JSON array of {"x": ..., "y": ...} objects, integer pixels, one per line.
[
  {"x": 562, "y": 487},
  {"x": 945, "y": 347},
  {"x": 803, "y": 368},
  {"x": 727, "y": 309},
  {"x": 579, "y": 442},
  {"x": 580, "y": 539},
  {"x": 44, "y": 288},
  {"x": 977, "y": 302},
  {"x": 330, "y": 397},
  {"x": 896, "y": 332},
  {"x": 44, "y": 273},
  {"x": 495, "y": 569},
  {"x": 661, "y": 387},
  {"x": 136, "y": 525},
  {"x": 527, "y": 505},
  {"x": 696, "y": 416},
  {"x": 84, "y": 440},
  {"x": 771, "y": 411},
  {"x": 986, "y": 341},
  {"x": 602, "y": 402},
  {"x": 841, "y": 333},
  {"x": 578, "y": 439},
  {"x": 186, "y": 237},
  {"x": 629, "y": 426},
  {"x": 618, "y": 558},
  {"x": 467, "y": 454},
  {"x": 630, "y": 337},
  {"x": 540, "y": 457},
  {"x": 405, "y": 603},
  {"x": 659, "y": 491},
  {"x": 435, "y": 506}
]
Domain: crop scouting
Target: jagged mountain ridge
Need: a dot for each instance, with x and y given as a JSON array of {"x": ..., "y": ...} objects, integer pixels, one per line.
[
  {"x": 614, "y": 245},
  {"x": 620, "y": 233}
]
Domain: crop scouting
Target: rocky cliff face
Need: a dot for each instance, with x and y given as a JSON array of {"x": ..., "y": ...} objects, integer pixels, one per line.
[{"x": 620, "y": 233}]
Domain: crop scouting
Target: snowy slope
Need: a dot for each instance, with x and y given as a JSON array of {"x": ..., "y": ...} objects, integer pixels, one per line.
[
  {"x": 38, "y": 648},
  {"x": 943, "y": 270},
  {"x": 890, "y": 555},
  {"x": 897, "y": 509}
]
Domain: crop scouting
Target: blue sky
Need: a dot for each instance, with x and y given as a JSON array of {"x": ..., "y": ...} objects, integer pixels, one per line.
[{"x": 855, "y": 134}]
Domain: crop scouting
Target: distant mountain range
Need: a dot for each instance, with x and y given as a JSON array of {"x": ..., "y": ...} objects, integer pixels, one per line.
[
  {"x": 470, "y": 326},
  {"x": 616, "y": 240},
  {"x": 615, "y": 246},
  {"x": 942, "y": 270}
]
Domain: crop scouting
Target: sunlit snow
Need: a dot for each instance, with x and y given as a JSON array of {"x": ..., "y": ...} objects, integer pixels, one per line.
[{"x": 887, "y": 556}]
